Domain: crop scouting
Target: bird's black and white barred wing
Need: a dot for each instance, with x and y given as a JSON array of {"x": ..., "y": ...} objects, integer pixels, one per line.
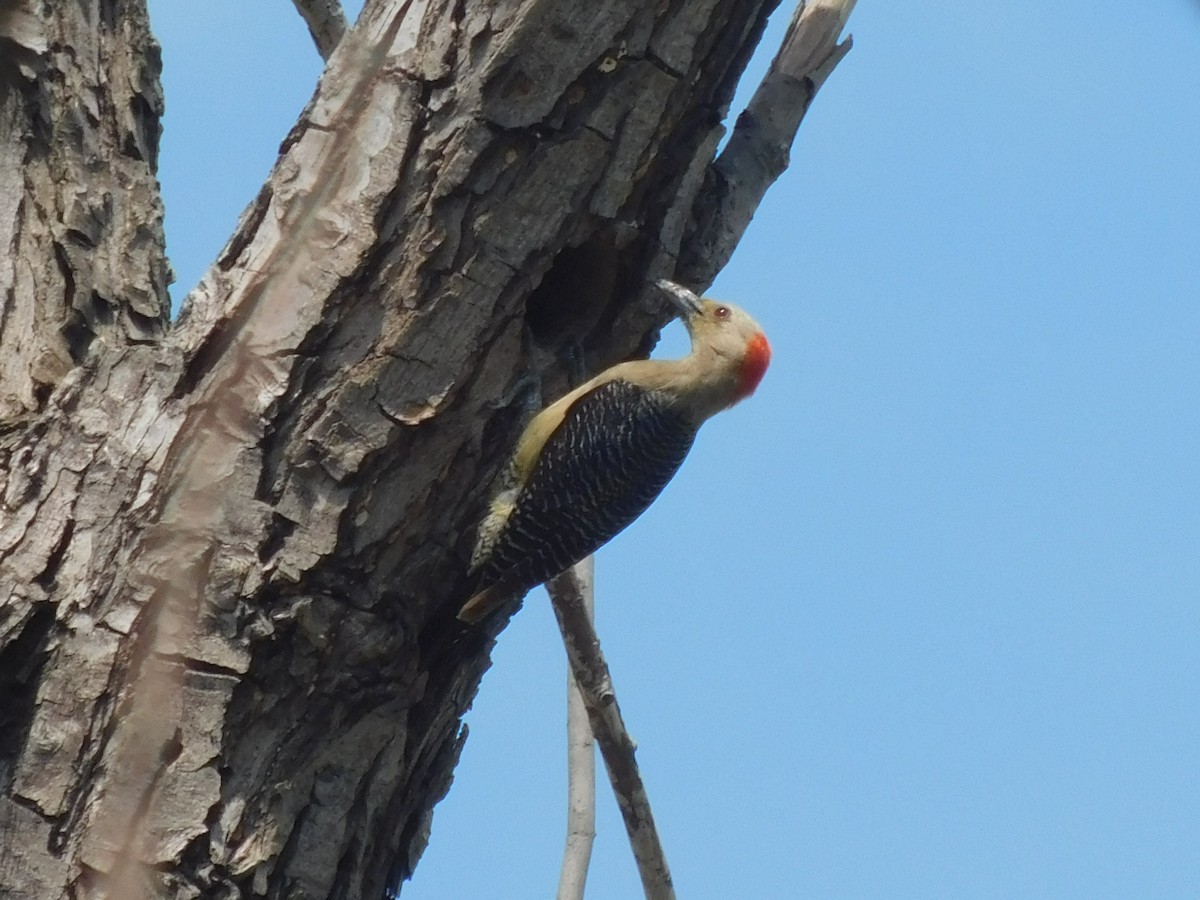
[{"x": 616, "y": 449}]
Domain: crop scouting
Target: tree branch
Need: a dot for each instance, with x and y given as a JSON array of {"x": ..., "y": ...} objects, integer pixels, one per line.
[
  {"x": 600, "y": 699},
  {"x": 326, "y": 23},
  {"x": 581, "y": 767},
  {"x": 759, "y": 148}
]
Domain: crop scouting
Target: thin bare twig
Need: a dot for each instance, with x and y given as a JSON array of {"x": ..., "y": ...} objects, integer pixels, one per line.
[
  {"x": 581, "y": 768},
  {"x": 759, "y": 149},
  {"x": 326, "y": 23},
  {"x": 600, "y": 699}
]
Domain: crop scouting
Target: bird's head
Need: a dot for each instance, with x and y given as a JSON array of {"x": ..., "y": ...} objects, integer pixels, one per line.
[{"x": 726, "y": 335}]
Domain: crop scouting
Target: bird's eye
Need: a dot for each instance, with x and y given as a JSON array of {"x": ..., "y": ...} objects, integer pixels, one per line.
[{"x": 721, "y": 312}]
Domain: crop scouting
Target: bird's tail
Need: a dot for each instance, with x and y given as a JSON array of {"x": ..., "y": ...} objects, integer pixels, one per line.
[{"x": 484, "y": 603}]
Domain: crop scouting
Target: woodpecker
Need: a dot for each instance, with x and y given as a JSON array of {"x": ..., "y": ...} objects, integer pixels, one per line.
[{"x": 589, "y": 464}]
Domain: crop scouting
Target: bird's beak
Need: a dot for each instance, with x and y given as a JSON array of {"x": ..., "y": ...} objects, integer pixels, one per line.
[{"x": 687, "y": 302}]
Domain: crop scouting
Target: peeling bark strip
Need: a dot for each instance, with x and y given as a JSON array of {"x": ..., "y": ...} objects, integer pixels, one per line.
[{"x": 230, "y": 555}]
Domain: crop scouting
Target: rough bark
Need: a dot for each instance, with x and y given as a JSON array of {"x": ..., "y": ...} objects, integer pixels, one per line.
[
  {"x": 80, "y": 216},
  {"x": 230, "y": 552}
]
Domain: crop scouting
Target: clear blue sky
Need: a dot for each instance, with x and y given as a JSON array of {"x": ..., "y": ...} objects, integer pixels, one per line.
[{"x": 922, "y": 618}]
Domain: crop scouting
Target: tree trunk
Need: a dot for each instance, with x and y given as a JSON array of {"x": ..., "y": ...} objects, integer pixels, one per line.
[{"x": 231, "y": 550}]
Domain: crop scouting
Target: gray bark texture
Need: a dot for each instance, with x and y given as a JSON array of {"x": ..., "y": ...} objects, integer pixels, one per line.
[{"x": 231, "y": 548}]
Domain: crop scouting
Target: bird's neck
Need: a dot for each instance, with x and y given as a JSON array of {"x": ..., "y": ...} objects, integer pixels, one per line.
[{"x": 702, "y": 383}]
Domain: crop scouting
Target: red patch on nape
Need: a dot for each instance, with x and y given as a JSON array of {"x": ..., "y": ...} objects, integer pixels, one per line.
[{"x": 754, "y": 364}]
